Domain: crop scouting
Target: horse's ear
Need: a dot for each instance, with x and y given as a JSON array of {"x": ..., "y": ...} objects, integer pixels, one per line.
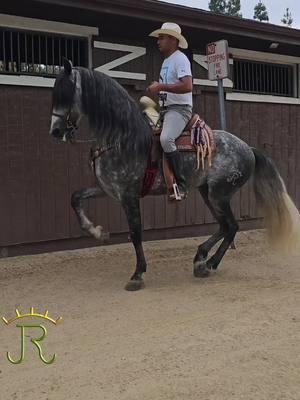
[{"x": 67, "y": 66}]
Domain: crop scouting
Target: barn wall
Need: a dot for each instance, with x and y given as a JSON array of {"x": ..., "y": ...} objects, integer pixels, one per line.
[{"x": 38, "y": 174}]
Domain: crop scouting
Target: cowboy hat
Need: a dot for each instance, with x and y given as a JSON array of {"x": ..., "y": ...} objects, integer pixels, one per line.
[{"x": 169, "y": 28}]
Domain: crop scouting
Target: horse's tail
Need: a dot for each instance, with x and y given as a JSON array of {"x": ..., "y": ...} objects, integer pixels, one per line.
[{"x": 282, "y": 218}]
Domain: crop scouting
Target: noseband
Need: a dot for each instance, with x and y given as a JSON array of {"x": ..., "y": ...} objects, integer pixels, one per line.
[
  {"x": 67, "y": 119},
  {"x": 71, "y": 127}
]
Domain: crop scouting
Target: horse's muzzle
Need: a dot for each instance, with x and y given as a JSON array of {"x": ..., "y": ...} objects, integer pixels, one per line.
[
  {"x": 57, "y": 133},
  {"x": 64, "y": 136}
]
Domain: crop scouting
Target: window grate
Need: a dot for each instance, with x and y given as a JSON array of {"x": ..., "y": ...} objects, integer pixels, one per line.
[
  {"x": 39, "y": 53},
  {"x": 263, "y": 78}
]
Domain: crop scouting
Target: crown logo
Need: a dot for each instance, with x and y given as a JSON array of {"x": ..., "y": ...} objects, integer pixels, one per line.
[{"x": 31, "y": 313}]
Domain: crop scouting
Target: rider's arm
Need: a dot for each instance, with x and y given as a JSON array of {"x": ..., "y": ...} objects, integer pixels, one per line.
[{"x": 184, "y": 85}]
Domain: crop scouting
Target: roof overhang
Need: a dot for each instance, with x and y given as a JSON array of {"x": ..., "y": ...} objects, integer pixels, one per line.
[
  {"x": 159, "y": 11},
  {"x": 153, "y": 10}
]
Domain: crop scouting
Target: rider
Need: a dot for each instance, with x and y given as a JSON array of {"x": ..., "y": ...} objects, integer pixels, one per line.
[{"x": 175, "y": 96}]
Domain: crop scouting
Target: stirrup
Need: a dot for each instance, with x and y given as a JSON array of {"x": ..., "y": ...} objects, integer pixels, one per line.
[{"x": 177, "y": 195}]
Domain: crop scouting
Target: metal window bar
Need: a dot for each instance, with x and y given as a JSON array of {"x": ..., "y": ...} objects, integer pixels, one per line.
[
  {"x": 290, "y": 82},
  {"x": 59, "y": 52},
  {"x": 264, "y": 78},
  {"x": 19, "y": 53},
  {"x": 281, "y": 88},
  {"x": 249, "y": 77},
  {"x": 240, "y": 82},
  {"x": 46, "y": 53},
  {"x": 285, "y": 80},
  {"x": 11, "y": 47},
  {"x": 32, "y": 48},
  {"x": 244, "y": 76},
  {"x": 280, "y": 80},
  {"x": 79, "y": 59},
  {"x": 255, "y": 77},
  {"x": 249, "y": 73},
  {"x": 235, "y": 74},
  {"x": 271, "y": 79},
  {"x": 26, "y": 49},
  {"x": 66, "y": 48},
  {"x": 275, "y": 80},
  {"x": 32, "y": 52},
  {"x": 53, "y": 52},
  {"x": 40, "y": 55},
  {"x": 4, "y": 52},
  {"x": 267, "y": 79},
  {"x": 10, "y": 63},
  {"x": 72, "y": 51}
]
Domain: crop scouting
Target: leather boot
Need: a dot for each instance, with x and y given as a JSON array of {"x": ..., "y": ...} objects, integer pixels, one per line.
[{"x": 176, "y": 164}]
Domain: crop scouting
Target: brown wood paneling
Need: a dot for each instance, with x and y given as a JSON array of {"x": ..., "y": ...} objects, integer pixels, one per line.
[
  {"x": 147, "y": 210},
  {"x": 39, "y": 174},
  {"x": 159, "y": 210}
]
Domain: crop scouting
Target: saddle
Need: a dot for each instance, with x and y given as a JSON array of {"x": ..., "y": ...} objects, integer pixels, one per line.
[{"x": 196, "y": 137}]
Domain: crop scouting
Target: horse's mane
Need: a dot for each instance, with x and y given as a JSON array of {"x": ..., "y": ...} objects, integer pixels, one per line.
[{"x": 113, "y": 115}]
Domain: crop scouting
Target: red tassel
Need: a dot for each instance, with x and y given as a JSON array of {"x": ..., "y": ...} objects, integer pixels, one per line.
[{"x": 149, "y": 178}]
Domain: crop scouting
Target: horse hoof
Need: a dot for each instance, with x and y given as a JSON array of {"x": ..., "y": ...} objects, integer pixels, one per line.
[
  {"x": 96, "y": 232},
  {"x": 135, "y": 285},
  {"x": 200, "y": 270}
]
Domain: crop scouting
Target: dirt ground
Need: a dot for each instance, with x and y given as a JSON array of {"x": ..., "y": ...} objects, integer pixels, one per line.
[{"x": 235, "y": 335}]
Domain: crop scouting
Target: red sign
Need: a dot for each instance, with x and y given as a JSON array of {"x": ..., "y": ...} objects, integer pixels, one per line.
[{"x": 217, "y": 60}]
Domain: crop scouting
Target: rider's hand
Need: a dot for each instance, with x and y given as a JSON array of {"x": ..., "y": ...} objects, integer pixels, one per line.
[{"x": 154, "y": 88}]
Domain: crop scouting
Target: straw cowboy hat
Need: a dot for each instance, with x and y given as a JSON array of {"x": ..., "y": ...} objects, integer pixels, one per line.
[{"x": 169, "y": 28}]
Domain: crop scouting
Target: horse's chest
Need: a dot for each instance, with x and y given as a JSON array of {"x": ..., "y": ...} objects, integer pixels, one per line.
[
  {"x": 109, "y": 179},
  {"x": 115, "y": 178}
]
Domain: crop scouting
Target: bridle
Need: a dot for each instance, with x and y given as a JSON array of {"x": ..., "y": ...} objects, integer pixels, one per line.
[{"x": 71, "y": 127}]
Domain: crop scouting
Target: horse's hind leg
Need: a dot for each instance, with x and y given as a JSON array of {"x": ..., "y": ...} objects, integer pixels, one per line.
[
  {"x": 131, "y": 207},
  {"x": 222, "y": 208},
  {"x": 76, "y": 202},
  {"x": 200, "y": 270}
]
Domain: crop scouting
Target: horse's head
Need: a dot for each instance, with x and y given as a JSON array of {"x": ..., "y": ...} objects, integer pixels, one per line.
[{"x": 66, "y": 103}]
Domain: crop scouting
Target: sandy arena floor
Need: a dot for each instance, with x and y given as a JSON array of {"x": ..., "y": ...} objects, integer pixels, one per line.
[{"x": 235, "y": 335}]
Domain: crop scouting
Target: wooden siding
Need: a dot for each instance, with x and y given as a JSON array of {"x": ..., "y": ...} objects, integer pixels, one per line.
[{"x": 38, "y": 174}]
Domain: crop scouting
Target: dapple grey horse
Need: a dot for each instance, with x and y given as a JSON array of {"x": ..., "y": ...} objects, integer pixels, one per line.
[{"x": 120, "y": 129}]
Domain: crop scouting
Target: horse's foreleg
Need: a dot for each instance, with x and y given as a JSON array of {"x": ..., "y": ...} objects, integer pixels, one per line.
[
  {"x": 76, "y": 202},
  {"x": 131, "y": 207}
]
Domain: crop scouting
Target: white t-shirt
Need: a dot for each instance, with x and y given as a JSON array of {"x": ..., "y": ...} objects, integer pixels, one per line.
[{"x": 176, "y": 66}]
